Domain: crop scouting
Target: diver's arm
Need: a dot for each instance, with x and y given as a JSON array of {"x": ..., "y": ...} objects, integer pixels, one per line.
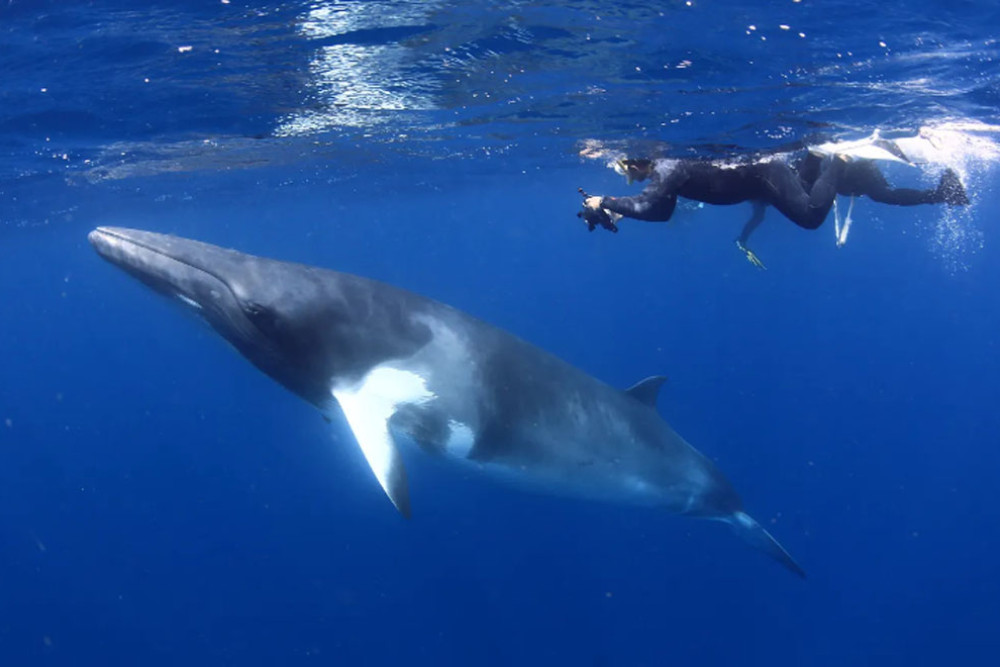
[
  {"x": 642, "y": 207},
  {"x": 657, "y": 208},
  {"x": 657, "y": 201}
]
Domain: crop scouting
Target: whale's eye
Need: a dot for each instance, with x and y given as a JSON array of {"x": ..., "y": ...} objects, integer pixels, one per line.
[
  {"x": 253, "y": 309},
  {"x": 263, "y": 317}
]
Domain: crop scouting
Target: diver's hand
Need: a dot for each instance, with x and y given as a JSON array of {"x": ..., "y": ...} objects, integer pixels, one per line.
[
  {"x": 751, "y": 255},
  {"x": 598, "y": 217},
  {"x": 595, "y": 216}
]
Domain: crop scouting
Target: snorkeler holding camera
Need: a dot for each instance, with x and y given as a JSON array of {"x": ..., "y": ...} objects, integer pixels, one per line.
[{"x": 802, "y": 189}]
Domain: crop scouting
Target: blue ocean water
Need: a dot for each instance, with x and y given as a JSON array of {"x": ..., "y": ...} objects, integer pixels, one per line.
[{"x": 164, "y": 503}]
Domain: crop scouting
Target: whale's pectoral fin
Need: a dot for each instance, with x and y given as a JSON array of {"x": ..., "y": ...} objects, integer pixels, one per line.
[
  {"x": 373, "y": 436},
  {"x": 755, "y": 535},
  {"x": 368, "y": 407},
  {"x": 646, "y": 391}
]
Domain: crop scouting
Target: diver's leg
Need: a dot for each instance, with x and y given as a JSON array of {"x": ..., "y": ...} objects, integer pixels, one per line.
[
  {"x": 787, "y": 194},
  {"x": 864, "y": 178},
  {"x": 756, "y": 217}
]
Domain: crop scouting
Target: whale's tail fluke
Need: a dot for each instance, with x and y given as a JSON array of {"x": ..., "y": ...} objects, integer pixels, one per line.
[{"x": 755, "y": 535}]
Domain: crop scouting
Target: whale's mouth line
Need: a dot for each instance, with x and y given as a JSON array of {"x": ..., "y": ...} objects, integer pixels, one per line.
[
  {"x": 131, "y": 248},
  {"x": 201, "y": 289}
]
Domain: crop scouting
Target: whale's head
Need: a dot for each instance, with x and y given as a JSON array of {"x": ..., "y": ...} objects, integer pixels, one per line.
[{"x": 305, "y": 327}]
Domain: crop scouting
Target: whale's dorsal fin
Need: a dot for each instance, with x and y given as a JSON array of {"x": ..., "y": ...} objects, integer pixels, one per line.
[
  {"x": 368, "y": 407},
  {"x": 646, "y": 391}
]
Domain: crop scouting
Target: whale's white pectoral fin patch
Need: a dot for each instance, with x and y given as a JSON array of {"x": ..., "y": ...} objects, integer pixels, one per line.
[
  {"x": 371, "y": 430},
  {"x": 368, "y": 406}
]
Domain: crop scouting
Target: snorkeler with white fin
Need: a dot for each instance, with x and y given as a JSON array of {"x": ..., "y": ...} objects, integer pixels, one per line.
[
  {"x": 861, "y": 178},
  {"x": 764, "y": 182},
  {"x": 803, "y": 189}
]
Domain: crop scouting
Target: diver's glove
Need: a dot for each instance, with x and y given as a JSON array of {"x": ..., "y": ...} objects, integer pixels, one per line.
[{"x": 751, "y": 255}]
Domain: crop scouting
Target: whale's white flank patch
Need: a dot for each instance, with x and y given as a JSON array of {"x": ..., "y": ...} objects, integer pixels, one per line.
[{"x": 460, "y": 440}]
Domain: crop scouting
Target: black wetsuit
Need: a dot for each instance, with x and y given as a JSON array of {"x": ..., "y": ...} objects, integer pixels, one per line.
[
  {"x": 771, "y": 182},
  {"x": 862, "y": 178}
]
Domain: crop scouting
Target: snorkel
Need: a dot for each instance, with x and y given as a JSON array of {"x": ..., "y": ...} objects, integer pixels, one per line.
[{"x": 621, "y": 169}]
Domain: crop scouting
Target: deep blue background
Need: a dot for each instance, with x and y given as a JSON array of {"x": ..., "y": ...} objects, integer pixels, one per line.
[{"x": 163, "y": 503}]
